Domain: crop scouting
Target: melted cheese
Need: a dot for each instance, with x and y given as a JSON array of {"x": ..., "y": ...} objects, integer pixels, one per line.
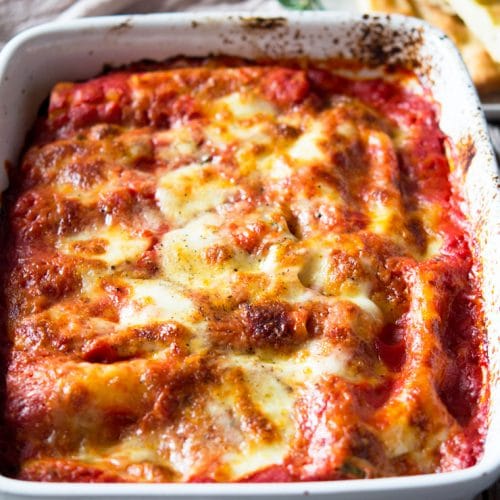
[
  {"x": 175, "y": 143},
  {"x": 112, "y": 244},
  {"x": 243, "y": 106},
  {"x": 225, "y": 317},
  {"x": 184, "y": 255},
  {"x": 155, "y": 300},
  {"x": 308, "y": 147},
  {"x": 188, "y": 191}
]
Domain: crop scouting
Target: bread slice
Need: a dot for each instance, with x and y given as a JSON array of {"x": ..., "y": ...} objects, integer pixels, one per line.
[
  {"x": 483, "y": 19},
  {"x": 485, "y": 72}
]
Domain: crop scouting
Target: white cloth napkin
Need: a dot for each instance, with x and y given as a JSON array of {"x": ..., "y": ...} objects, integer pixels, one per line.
[{"x": 17, "y": 15}]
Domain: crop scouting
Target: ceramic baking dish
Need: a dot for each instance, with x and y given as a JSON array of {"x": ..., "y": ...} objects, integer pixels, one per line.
[{"x": 32, "y": 62}]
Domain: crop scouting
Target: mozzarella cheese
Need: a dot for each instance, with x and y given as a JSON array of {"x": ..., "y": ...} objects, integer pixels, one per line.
[{"x": 221, "y": 287}]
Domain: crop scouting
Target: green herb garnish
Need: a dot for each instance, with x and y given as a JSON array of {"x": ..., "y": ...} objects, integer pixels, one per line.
[
  {"x": 349, "y": 469},
  {"x": 302, "y": 4}
]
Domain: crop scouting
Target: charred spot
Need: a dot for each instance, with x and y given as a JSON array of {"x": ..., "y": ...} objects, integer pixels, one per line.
[
  {"x": 379, "y": 44},
  {"x": 123, "y": 26},
  {"x": 287, "y": 131},
  {"x": 419, "y": 418},
  {"x": 366, "y": 446},
  {"x": 263, "y": 23},
  {"x": 417, "y": 232},
  {"x": 251, "y": 326},
  {"x": 267, "y": 324}
]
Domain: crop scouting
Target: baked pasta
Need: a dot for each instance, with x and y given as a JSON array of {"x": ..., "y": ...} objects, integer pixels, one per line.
[{"x": 222, "y": 270}]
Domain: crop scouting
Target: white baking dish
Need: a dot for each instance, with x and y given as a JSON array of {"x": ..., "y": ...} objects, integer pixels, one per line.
[{"x": 32, "y": 62}]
